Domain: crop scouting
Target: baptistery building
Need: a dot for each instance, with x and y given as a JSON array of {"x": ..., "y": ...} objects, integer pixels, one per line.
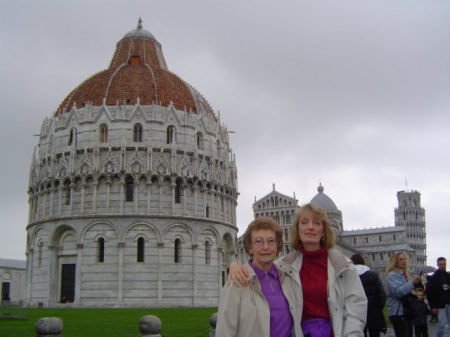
[{"x": 132, "y": 191}]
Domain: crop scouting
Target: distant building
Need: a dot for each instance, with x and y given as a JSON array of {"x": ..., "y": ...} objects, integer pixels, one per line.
[
  {"x": 375, "y": 244},
  {"x": 12, "y": 280}
]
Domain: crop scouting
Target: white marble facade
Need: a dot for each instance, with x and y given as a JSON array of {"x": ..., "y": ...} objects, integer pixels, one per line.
[{"x": 131, "y": 204}]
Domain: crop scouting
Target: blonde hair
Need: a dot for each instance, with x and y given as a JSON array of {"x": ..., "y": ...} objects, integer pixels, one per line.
[
  {"x": 328, "y": 232},
  {"x": 392, "y": 265}
]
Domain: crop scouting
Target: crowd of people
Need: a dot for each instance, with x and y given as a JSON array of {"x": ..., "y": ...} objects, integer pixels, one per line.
[{"x": 316, "y": 291}]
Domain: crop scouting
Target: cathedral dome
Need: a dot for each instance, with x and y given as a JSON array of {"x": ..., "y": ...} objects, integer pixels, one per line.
[
  {"x": 323, "y": 200},
  {"x": 137, "y": 74}
]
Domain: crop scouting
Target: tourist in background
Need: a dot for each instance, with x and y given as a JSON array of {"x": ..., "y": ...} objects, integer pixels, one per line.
[
  {"x": 376, "y": 297},
  {"x": 268, "y": 307},
  {"x": 330, "y": 296},
  {"x": 398, "y": 287},
  {"x": 438, "y": 294},
  {"x": 421, "y": 310}
]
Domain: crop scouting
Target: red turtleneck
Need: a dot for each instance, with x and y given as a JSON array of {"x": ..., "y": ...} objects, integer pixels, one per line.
[{"x": 314, "y": 276}]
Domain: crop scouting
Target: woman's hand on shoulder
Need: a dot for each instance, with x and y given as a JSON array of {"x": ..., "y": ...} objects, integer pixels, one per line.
[{"x": 238, "y": 274}]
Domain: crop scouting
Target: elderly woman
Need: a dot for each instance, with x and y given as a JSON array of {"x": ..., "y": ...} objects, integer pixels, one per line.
[
  {"x": 331, "y": 298},
  {"x": 267, "y": 307},
  {"x": 398, "y": 287}
]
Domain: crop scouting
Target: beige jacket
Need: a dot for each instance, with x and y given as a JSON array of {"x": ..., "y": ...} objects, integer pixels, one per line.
[
  {"x": 347, "y": 302},
  {"x": 244, "y": 311}
]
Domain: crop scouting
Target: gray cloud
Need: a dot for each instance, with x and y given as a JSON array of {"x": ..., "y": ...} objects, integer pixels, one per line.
[{"x": 351, "y": 94}]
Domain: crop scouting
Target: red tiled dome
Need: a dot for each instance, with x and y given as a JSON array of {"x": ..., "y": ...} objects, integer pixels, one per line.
[{"x": 137, "y": 74}]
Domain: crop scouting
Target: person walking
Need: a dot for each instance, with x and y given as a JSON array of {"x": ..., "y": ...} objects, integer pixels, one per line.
[
  {"x": 438, "y": 295},
  {"x": 398, "y": 288},
  {"x": 376, "y": 297}
]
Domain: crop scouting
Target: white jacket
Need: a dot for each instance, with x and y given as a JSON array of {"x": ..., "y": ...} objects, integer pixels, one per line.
[
  {"x": 347, "y": 302},
  {"x": 244, "y": 311}
]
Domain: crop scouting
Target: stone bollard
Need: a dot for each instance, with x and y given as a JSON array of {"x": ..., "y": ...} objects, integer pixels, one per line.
[
  {"x": 48, "y": 327},
  {"x": 149, "y": 326},
  {"x": 213, "y": 323}
]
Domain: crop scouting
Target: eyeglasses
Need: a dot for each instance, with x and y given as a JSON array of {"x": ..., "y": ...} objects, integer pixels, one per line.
[{"x": 259, "y": 242}]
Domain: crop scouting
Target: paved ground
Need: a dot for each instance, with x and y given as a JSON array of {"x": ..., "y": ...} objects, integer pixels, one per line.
[{"x": 431, "y": 331}]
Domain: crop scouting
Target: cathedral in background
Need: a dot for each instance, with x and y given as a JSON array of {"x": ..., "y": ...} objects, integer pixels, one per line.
[{"x": 375, "y": 244}]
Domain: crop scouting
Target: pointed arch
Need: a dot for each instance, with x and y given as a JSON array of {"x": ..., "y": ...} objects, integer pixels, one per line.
[{"x": 137, "y": 133}]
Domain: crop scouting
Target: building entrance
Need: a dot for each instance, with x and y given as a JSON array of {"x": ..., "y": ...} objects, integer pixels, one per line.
[
  {"x": 68, "y": 282},
  {"x": 5, "y": 291}
]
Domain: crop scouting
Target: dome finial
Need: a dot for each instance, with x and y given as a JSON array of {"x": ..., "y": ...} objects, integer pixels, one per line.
[
  {"x": 139, "y": 26},
  {"x": 320, "y": 188}
]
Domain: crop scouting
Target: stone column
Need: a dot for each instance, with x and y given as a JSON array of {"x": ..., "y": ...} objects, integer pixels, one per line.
[
  {"x": 120, "y": 278},
  {"x": 160, "y": 196},
  {"x": 195, "y": 199},
  {"x": 71, "y": 187},
  {"x": 108, "y": 193},
  {"x": 149, "y": 194},
  {"x": 172, "y": 202},
  {"x": 184, "y": 195},
  {"x": 78, "y": 273},
  {"x": 160, "y": 246},
  {"x": 83, "y": 186},
  {"x": 220, "y": 253},
  {"x": 136, "y": 195},
  {"x": 52, "y": 276},
  {"x": 60, "y": 199},
  {"x": 44, "y": 203},
  {"x": 194, "y": 272},
  {"x": 29, "y": 275},
  {"x": 122, "y": 194},
  {"x": 50, "y": 192},
  {"x": 94, "y": 196}
]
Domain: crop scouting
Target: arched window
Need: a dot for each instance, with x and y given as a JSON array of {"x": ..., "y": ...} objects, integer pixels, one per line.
[
  {"x": 103, "y": 133},
  {"x": 101, "y": 250},
  {"x": 177, "y": 252},
  {"x": 207, "y": 252},
  {"x": 135, "y": 60},
  {"x": 219, "y": 152},
  {"x": 178, "y": 188},
  {"x": 40, "y": 248},
  {"x": 140, "y": 249},
  {"x": 170, "y": 134},
  {"x": 72, "y": 137},
  {"x": 137, "y": 133},
  {"x": 129, "y": 188},
  {"x": 200, "y": 141},
  {"x": 207, "y": 211},
  {"x": 67, "y": 192}
]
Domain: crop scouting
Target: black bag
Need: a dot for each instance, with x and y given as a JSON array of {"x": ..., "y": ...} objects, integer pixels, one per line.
[{"x": 408, "y": 305}]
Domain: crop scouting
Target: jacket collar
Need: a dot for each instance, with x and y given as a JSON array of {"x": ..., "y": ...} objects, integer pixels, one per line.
[{"x": 335, "y": 258}]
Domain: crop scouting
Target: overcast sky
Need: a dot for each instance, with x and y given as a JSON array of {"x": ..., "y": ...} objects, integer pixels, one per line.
[{"x": 353, "y": 94}]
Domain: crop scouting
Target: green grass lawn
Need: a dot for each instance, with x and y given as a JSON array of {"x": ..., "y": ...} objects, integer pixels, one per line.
[{"x": 176, "y": 322}]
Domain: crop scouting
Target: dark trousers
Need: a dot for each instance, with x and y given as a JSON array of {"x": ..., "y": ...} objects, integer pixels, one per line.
[
  {"x": 409, "y": 328},
  {"x": 400, "y": 326},
  {"x": 421, "y": 330},
  {"x": 372, "y": 333}
]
